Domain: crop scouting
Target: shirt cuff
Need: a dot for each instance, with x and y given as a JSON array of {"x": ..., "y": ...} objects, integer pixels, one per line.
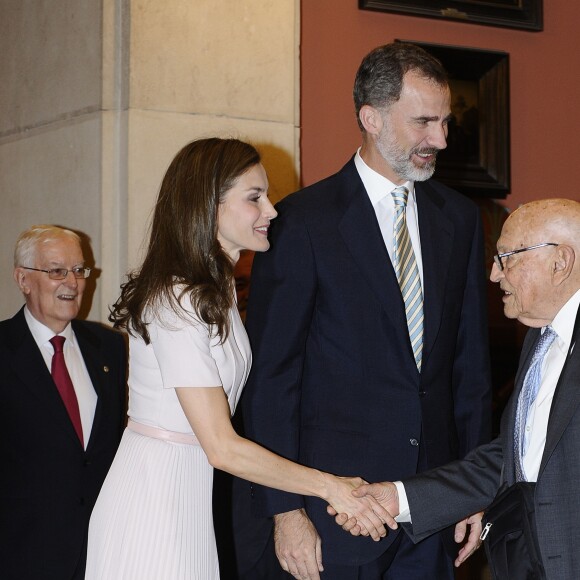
[{"x": 404, "y": 511}]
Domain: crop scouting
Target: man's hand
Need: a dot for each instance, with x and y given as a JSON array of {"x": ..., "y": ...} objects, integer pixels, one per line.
[
  {"x": 298, "y": 545},
  {"x": 368, "y": 513},
  {"x": 473, "y": 542},
  {"x": 385, "y": 493}
]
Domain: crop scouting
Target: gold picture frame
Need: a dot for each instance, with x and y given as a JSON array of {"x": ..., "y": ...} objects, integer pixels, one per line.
[{"x": 523, "y": 14}]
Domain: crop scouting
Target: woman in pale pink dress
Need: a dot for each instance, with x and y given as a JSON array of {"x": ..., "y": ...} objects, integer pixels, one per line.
[{"x": 189, "y": 359}]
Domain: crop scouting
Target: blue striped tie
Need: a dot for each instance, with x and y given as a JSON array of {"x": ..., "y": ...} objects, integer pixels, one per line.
[
  {"x": 407, "y": 273},
  {"x": 528, "y": 395}
]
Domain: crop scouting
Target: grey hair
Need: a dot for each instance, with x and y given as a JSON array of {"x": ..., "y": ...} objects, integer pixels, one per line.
[
  {"x": 379, "y": 79},
  {"x": 25, "y": 251}
]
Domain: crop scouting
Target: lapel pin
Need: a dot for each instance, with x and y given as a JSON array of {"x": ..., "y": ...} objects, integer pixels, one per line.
[{"x": 106, "y": 368}]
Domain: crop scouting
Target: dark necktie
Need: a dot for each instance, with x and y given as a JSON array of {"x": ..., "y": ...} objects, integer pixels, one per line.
[
  {"x": 64, "y": 384},
  {"x": 528, "y": 395},
  {"x": 407, "y": 273}
]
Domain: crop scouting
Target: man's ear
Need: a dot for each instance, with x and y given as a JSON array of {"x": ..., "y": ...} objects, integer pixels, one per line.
[
  {"x": 563, "y": 264},
  {"x": 371, "y": 119},
  {"x": 21, "y": 279}
]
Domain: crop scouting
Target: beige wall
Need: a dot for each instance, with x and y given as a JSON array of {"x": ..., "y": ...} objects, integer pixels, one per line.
[
  {"x": 97, "y": 97},
  {"x": 50, "y": 147}
]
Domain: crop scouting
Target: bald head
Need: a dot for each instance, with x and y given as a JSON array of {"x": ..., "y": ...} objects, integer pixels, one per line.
[
  {"x": 538, "y": 281},
  {"x": 557, "y": 219}
]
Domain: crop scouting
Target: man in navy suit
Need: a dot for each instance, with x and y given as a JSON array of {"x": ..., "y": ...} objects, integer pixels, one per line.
[
  {"x": 51, "y": 471},
  {"x": 538, "y": 269},
  {"x": 336, "y": 383}
]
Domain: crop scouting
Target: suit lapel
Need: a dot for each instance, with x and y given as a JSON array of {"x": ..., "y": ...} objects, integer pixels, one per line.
[
  {"x": 97, "y": 368},
  {"x": 362, "y": 236},
  {"x": 29, "y": 366},
  {"x": 566, "y": 397},
  {"x": 436, "y": 232},
  {"x": 509, "y": 419}
]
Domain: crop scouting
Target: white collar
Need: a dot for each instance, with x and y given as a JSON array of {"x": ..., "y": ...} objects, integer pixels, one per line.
[
  {"x": 378, "y": 186},
  {"x": 563, "y": 323},
  {"x": 41, "y": 333}
]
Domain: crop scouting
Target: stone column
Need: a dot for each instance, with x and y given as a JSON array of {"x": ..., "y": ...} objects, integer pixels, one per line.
[{"x": 97, "y": 97}]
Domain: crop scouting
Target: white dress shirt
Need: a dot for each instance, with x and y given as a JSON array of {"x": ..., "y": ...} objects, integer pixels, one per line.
[
  {"x": 379, "y": 190},
  {"x": 537, "y": 420},
  {"x": 75, "y": 364},
  {"x": 539, "y": 413}
]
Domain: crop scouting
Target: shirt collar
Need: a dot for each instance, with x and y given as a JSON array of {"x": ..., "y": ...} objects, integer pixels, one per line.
[
  {"x": 376, "y": 185},
  {"x": 563, "y": 323},
  {"x": 41, "y": 333}
]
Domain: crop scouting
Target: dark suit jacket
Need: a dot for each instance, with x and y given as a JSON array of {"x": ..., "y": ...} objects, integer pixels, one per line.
[
  {"x": 449, "y": 494},
  {"x": 48, "y": 482},
  {"x": 334, "y": 384}
]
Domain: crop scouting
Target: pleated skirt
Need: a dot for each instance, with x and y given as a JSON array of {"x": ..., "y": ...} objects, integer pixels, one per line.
[{"x": 153, "y": 518}]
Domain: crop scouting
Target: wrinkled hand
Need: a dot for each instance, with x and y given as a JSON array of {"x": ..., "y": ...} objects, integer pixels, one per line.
[
  {"x": 298, "y": 545},
  {"x": 473, "y": 542},
  {"x": 385, "y": 494},
  {"x": 369, "y": 514}
]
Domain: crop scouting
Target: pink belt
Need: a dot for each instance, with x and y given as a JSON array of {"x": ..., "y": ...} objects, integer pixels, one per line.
[{"x": 163, "y": 434}]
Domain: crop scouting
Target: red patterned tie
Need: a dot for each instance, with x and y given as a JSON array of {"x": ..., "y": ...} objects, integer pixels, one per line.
[{"x": 64, "y": 384}]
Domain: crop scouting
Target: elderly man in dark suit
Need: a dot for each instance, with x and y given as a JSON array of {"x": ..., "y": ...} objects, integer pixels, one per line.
[
  {"x": 62, "y": 411},
  {"x": 538, "y": 269},
  {"x": 368, "y": 326}
]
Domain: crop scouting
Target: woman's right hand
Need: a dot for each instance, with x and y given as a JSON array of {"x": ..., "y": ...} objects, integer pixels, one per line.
[{"x": 370, "y": 515}]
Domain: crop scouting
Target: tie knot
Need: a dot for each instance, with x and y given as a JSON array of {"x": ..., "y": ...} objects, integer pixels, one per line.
[
  {"x": 400, "y": 195},
  {"x": 546, "y": 340},
  {"x": 58, "y": 343}
]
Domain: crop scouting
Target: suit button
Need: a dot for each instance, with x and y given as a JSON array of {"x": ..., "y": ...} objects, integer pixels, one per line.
[
  {"x": 81, "y": 501},
  {"x": 414, "y": 442},
  {"x": 422, "y": 393},
  {"x": 87, "y": 462}
]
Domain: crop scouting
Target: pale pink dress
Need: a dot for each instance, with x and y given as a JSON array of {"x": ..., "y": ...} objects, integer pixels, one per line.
[{"x": 153, "y": 517}]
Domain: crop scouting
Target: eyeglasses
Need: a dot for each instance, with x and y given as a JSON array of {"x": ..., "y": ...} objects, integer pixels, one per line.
[
  {"x": 62, "y": 273},
  {"x": 499, "y": 257}
]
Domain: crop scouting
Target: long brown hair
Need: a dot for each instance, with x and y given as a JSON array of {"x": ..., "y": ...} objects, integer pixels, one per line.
[{"x": 183, "y": 247}]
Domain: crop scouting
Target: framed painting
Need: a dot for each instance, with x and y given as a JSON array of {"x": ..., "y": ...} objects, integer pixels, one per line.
[
  {"x": 477, "y": 158},
  {"x": 526, "y": 14}
]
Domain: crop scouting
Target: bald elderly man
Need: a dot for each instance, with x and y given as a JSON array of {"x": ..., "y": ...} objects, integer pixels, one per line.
[
  {"x": 59, "y": 429},
  {"x": 538, "y": 269}
]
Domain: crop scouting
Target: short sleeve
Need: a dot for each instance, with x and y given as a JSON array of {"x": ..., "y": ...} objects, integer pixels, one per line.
[{"x": 183, "y": 351}]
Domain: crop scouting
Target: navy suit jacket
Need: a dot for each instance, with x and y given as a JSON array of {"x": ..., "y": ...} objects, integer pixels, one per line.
[
  {"x": 334, "y": 384},
  {"x": 449, "y": 494},
  {"x": 48, "y": 482}
]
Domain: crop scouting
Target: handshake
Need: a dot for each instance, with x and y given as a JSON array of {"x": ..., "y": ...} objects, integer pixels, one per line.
[
  {"x": 378, "y": 506},
  {"x": 372, "y": 507}
]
